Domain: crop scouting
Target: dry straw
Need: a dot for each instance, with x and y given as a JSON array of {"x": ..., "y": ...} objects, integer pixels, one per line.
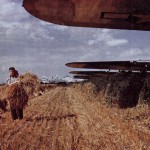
[{"x": 17, "y": 96}]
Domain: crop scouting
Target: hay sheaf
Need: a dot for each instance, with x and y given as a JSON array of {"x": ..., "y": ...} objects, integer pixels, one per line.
[
  {"x": 3, "y": 89},
  {"x": 144, "y": 96},
  {"x": 28, "y": 86},
  {"x": 122, "y": 89},
  {"x": 30, "y": 83},
  {"x": 17, "y": 96}
]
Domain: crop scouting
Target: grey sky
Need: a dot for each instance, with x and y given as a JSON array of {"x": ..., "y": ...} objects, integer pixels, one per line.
[{"x": 30, "y": 44}]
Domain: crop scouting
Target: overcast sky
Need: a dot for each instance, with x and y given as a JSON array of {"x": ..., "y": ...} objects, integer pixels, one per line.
[{"x": 30, "y": 44}]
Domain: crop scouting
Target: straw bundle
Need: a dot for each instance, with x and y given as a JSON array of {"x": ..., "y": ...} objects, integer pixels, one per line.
[
  {"x": 3, "y": 89},
  {"x": 30, "y": 83},
  {"x": 17, "y": 96}
]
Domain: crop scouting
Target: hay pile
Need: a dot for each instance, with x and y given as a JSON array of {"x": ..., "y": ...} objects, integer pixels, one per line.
[
  {"x": 28, "y": 87},
  {"x": 17, "y": 96},
  {"x": 3, "y": 91},
  {"x": 86, "y": 87},
  {"x": 145, "y": 92},
  {"x": 30, "y": 83},
  {"x": 122, "y": 89},
  {"x": 3, "y": 95}
]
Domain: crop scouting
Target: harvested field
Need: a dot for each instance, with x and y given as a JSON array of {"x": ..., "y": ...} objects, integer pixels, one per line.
[{"x": 75, "y": 118}]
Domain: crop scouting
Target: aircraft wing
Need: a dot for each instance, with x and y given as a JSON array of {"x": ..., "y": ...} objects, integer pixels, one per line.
[
  {"x": 111, "y": 14},
  {"x": 93, "y": 73},
  {"x": 114, "y": 65},
  {"x": 87, "y": 77}
]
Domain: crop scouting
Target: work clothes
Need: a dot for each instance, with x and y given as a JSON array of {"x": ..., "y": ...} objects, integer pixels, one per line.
[{"x": 11, "y": 80}]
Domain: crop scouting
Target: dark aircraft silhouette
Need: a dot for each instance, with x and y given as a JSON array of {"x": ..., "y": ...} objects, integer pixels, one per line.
[{"x": 103, "y": 74}]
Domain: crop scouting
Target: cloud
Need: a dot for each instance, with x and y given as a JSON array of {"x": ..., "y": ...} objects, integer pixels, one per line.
[
  {"x": 117, "y": 42},
  {"x": 106, "y": 38},
  {"x": 12, "y": 11},
  {"x": 43, "y": 48},
  {"x": 135, "y": 54}
]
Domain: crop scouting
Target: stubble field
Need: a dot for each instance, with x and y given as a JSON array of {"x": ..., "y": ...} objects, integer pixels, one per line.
[{"x": 72, "y": 118}]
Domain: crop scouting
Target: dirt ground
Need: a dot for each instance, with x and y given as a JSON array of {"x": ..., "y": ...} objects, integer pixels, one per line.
[{"x": 66, "y": 118}]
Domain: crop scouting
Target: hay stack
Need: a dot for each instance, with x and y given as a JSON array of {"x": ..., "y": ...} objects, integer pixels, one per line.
[
  {"x": 144, "y": 96},
  {"x": 17, "y": 96},
  {"x": 30, "y": 83},
  {"x": 18, "y": 93},
  {"x": 3, "y": 89},
  {"x": 122, "y": 89},
  {"x": 125, "y": 90}
]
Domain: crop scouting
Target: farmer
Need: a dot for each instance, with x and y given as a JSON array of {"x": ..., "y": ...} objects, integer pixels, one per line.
[
  {"x": 16, "y": 95},
  {"x": 13, "y": 74}
]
